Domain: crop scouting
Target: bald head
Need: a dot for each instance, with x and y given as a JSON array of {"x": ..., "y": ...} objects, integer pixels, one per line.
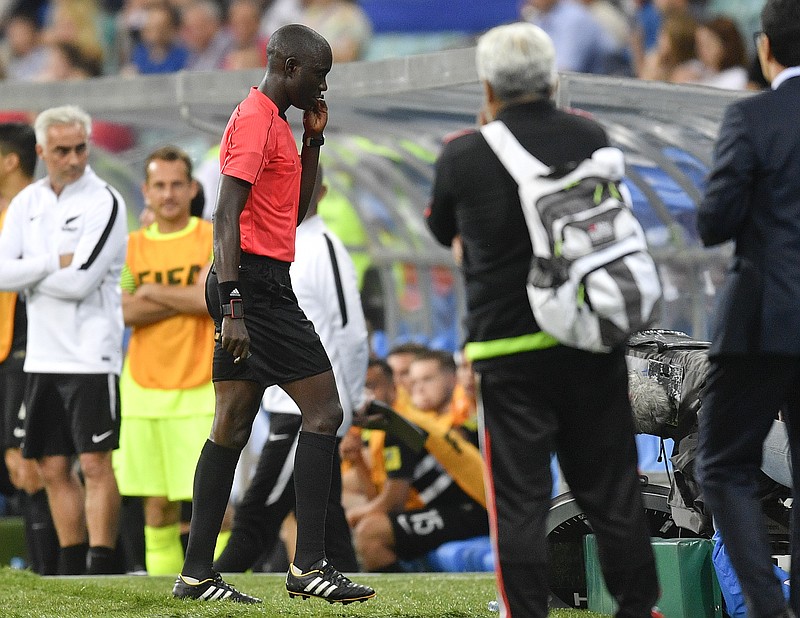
[{"x": 298, "y": 41}]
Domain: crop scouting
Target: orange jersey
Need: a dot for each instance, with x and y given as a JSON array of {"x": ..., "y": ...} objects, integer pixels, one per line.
[
  {"x": 8, "y": 304},
  {"x": 175, "y": 353},
  {"x": 462, "y": 406}
]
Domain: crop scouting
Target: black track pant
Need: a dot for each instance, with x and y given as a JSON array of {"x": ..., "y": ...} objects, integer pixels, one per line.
[{"x": 574, "y": 403}]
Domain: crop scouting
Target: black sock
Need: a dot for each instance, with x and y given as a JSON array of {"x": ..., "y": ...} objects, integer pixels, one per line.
[
  {"x": 186, "y": 518},
  {"x": 313, "y": 466},
  {"x": 213, "y": 479},
  {"x": 338, "y": 540},
  {"x": 102, "y": 561},
  {"x": 131, "y": 534},
  {"x": 72, "y": 559},
  {"x": 42, "y": 537}
]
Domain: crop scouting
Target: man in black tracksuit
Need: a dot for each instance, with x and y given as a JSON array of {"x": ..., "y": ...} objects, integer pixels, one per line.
[{"x": 537, "y": 396}]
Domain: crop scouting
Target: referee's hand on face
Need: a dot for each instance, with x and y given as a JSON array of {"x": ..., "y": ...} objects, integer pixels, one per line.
[{"x": 235, "y": 338}]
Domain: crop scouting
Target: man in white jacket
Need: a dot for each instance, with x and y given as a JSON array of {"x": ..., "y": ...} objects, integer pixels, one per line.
[
  {"x": 324, "y": 280},
  {"x": 63, "y": 245}
]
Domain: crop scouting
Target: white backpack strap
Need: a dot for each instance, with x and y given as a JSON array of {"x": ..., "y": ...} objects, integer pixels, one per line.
[{"x": 519, "y": 162}]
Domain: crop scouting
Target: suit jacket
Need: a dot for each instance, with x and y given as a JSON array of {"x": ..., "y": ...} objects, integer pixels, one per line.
[{"x": 753, "y": 198}]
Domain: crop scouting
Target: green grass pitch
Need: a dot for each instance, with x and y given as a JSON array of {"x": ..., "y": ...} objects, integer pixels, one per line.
[{"x": 414, "y": 595}]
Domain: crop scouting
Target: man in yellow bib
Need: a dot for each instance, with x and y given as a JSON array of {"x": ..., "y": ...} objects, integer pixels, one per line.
[{"x": 166, "y": 390}]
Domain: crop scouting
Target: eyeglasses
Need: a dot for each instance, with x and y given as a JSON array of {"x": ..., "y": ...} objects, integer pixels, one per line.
[{"x": 757, "y": 36}]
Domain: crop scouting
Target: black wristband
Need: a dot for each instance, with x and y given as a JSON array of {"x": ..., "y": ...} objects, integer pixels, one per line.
[
  {"x": 313, "y": 142},
  {"x": 230, "y": 299}
]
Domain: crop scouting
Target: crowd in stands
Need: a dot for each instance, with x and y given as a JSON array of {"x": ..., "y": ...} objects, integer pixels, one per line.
[
  {"x": 682, "y": 41},
  {"x": 70, "y": 39}
]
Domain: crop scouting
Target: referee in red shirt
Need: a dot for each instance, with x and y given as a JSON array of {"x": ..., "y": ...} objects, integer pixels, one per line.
[{"x": 263, "y": 337}]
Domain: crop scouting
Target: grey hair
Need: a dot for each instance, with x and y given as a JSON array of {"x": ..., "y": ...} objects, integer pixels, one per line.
[
  {"x": 516, "y": 60},
  {"x": 67, "y": 114}
]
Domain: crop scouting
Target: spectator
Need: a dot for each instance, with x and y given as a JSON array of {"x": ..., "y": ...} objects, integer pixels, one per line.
[
  {"x": 746, "y": 13},
  {"x": 753, "y": 199},
  {"x": 675, "y": 50},
  {"x": 203, "y": 35},
  {"x": 248, "y": 58},
  {"x": 591, "y": 51},
  {"x": 166, "y": 390},
  {"x": 64, "y": 241},
  {"x": 399, "y": 359},
  {"x": 24, "y": 55},
  {"x": 17, "y": 166},
  {"x": 67, "y": 62},
  {"x": 644, "y": 32},
  {"x": 649, "y": 16},
  {"x": 343, "y": 24},
  {"x": 617, "y": 25},
  {"x": 249, "y": 47},
  {"x": 278, "y": 13},
  {"x": 721, "y": 56},
  {"x": 387, "y": 381},
  {"x": 384, "y": 531},
  {"x": 537, "y": 396},
  {"x": 612, "y": 19},
  {"x": 129, "y": 21},
  {"x": 324, "y": 280},
  {"x": 364, "y": 468},
  {"x": 76, "y": 22},
  {"x": 160, "y": 49}
]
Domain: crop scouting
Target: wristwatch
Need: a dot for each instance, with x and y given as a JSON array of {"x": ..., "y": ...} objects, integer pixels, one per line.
[{"x": 314, "y": 142}]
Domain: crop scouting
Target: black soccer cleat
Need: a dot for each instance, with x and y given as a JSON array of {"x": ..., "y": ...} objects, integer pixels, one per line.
[
  {"x": 325, "y": 582},
  {"x": 210, "y": 589}
]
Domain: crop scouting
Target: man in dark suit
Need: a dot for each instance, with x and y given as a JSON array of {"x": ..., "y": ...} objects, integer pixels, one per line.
[
  {"x": 537, "y": 396},
  {"x": 753, "y": 197}
]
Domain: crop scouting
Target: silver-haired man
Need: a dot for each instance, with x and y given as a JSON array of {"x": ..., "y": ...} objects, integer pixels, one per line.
[
  {"x": 537, "y": 396},
  {"x": 63, "y": 244}
]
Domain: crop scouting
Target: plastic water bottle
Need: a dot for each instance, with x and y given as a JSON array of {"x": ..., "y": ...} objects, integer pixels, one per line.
[
  {"x": 493, "y": 606},
  {"x": 17, "y": 563}
]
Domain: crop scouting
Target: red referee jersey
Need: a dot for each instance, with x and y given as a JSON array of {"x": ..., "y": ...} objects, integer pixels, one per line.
[{"x": 258, "y": 147}]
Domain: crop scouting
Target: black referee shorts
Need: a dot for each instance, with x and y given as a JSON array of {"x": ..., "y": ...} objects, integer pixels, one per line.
[{"x": 284, "y": 346}]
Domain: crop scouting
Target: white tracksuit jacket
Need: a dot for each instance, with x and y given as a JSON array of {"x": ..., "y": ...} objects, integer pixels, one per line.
[{"x": 75, "y": 313}]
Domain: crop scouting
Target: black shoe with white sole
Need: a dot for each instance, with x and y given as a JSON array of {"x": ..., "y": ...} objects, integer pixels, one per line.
[
  {"x": 325, "y": 582},
  {"x": 211, "y": 589}
]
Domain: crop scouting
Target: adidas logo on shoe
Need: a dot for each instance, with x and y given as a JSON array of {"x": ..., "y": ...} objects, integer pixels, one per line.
[
  {"x": 211, "y": 589},
  {"x": 325, "y": 582}
]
